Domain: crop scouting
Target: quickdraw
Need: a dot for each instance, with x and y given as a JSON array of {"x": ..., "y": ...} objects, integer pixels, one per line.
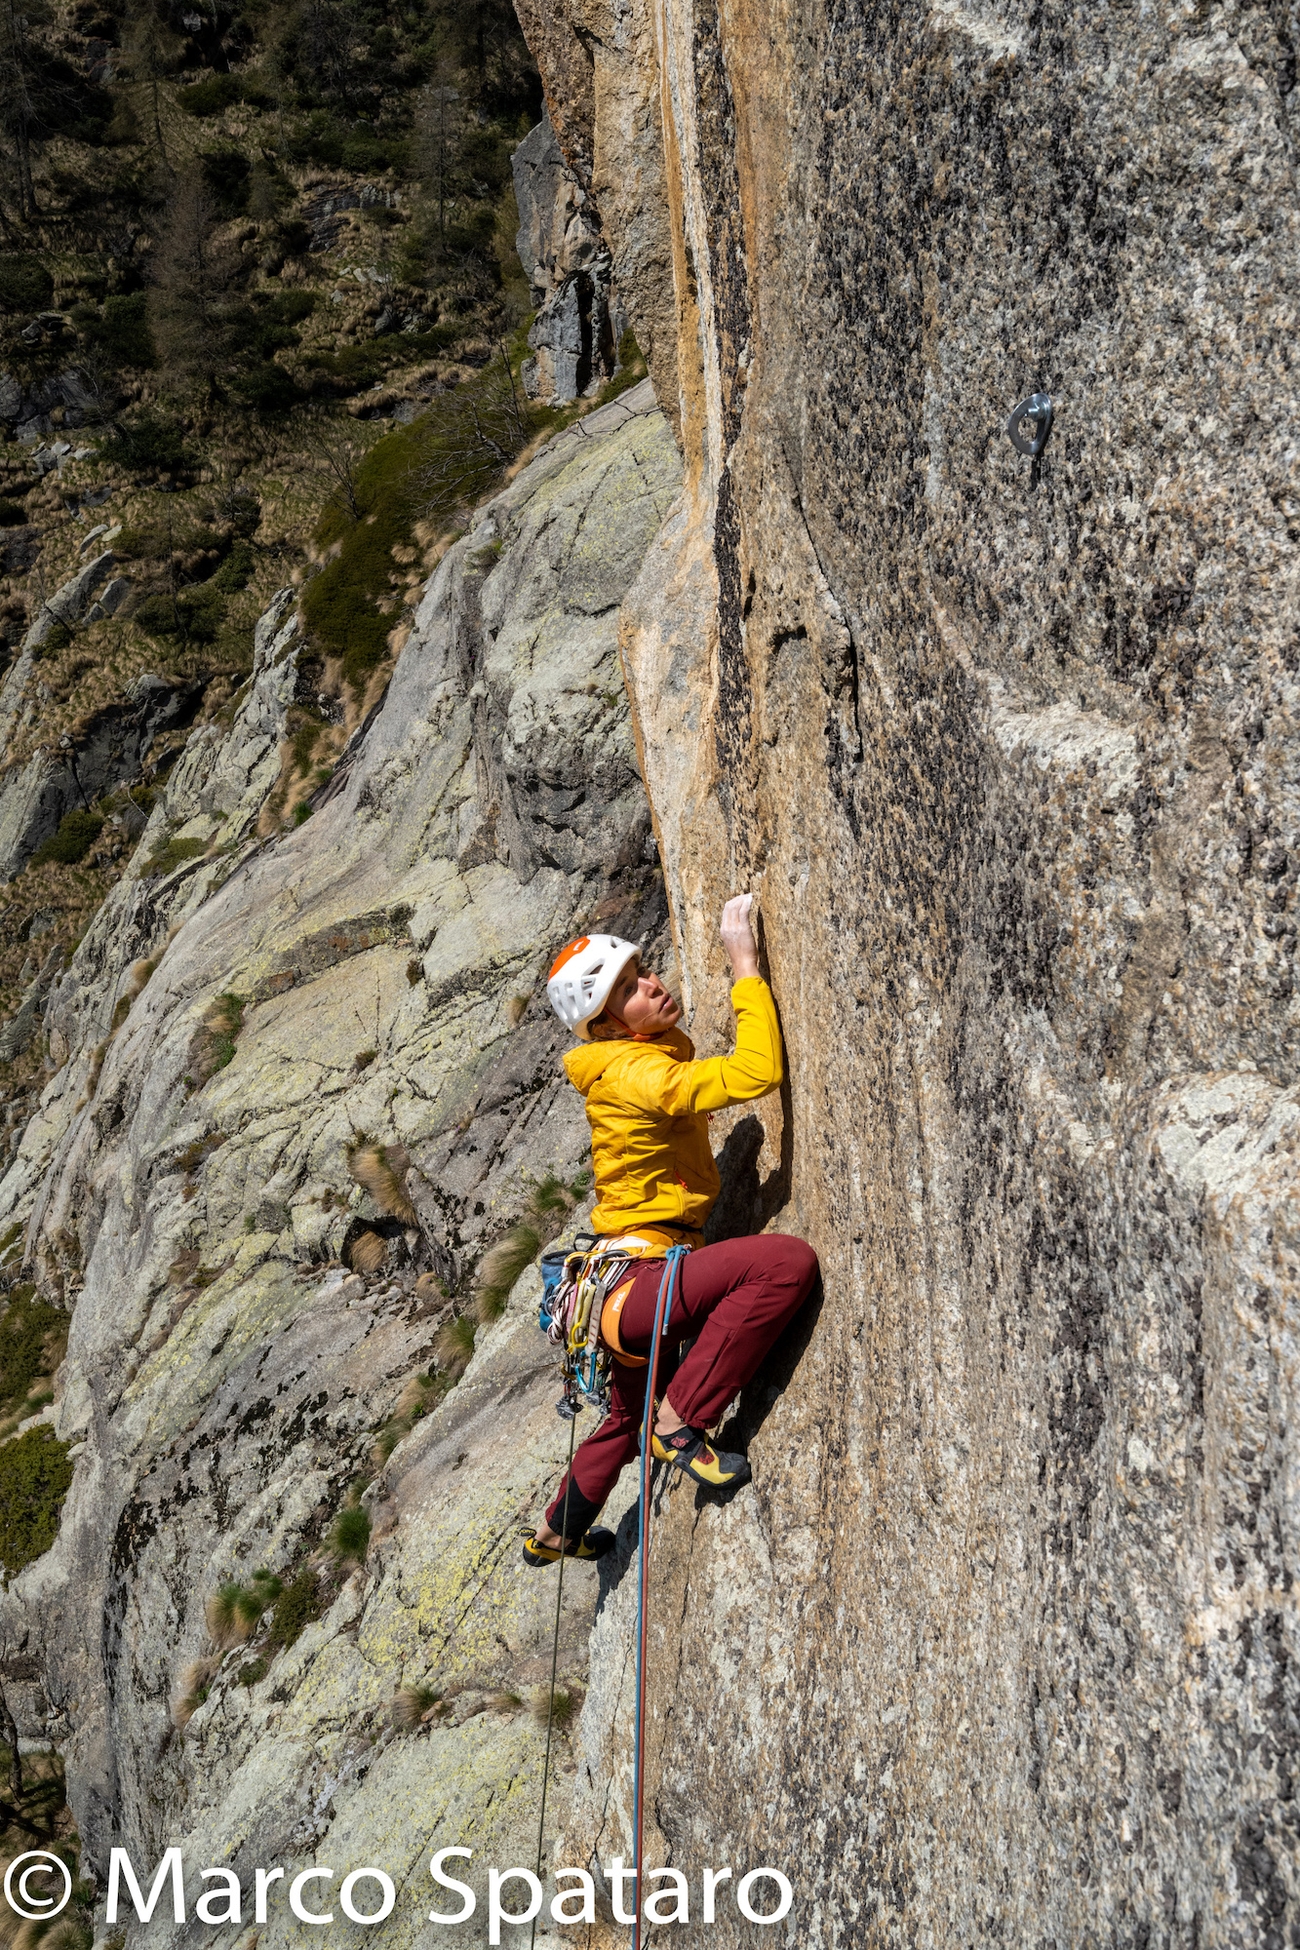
[{"x": 576, "y": 1282}]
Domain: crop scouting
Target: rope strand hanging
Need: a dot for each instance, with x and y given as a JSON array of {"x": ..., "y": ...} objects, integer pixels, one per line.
[{"x": 663, "y": 1311}]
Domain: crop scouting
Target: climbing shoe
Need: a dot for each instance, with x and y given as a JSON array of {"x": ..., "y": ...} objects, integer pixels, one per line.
[
  {"x": 593, "y": 1545},
  {"x": 692, "y": 1453}
]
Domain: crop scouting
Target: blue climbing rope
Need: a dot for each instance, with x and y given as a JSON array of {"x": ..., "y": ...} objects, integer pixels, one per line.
[{"x": 663, "y": 1311}]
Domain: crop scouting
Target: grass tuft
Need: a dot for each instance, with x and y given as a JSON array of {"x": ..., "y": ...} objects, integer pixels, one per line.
[
  {"x": 410, "y": 1706},
  {"x": 227, "y": 1624},
  {"x": 350, "y": 1536},
  {"x": 366, "y": 1253},
  {"x": 454, "y": 1344},
  {"x": 550, "y": 1201},
  {"x": 381, "y": 1170},
  {"x": 559, "y": 1708},
  {"x": 213, "y": 1045},
  {"x": 500, "y": 1267}
]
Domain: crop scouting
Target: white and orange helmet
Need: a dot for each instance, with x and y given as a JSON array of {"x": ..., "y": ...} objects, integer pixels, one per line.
[{"x": 582, "y": 976}]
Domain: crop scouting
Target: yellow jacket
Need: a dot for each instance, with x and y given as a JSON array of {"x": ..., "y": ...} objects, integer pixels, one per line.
[{"x": 647, "y": 1105}]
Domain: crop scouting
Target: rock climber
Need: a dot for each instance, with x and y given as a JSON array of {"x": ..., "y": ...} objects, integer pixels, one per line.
[{"x": 648, "y": 1102}]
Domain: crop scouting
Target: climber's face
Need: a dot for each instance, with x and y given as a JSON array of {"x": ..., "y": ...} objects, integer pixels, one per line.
[{"x": 642, "y": 1002}]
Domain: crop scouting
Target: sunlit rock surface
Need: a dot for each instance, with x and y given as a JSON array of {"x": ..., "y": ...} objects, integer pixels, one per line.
[{"x": 1001, "y": 1646}]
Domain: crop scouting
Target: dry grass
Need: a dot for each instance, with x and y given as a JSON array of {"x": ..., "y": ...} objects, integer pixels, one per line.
[
  {"x": 195, "y": 1681},
  {"x": 421, "y": 1393},
  {"x": 559, "y": 1708},
  {"x": 550, "y": 1201},
  {"x": 381, "y": 1170},
  {"x": 412, "y": 1707},
  {"x": 66, "y": 1932},
  {"x": 454, "y": 1345},
  {"x": 366, "y": 1253},
  {"x": 227, "y": 1621}
]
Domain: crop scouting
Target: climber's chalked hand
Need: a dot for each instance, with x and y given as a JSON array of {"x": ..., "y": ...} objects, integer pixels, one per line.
[{"x": 738, "y": 936}]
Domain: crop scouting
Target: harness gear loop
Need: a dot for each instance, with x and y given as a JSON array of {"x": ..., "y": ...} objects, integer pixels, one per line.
[{"x": 663, "y": 1311}]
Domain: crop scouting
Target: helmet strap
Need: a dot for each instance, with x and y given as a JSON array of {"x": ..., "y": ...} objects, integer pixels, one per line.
[{"x": 633, "y": 1035}]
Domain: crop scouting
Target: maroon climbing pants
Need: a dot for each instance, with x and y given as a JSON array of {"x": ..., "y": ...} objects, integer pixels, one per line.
[{"x": 732, "y": 1300}]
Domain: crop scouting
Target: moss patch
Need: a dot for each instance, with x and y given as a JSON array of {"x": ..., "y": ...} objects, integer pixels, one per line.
[
  {"x": 171, "y": 854},
  {"x": 214, "y": 1041},
  {"x": 34, "y": 1477},
  {"x": 295, "y": 1608},
  {"x": 32, "y": 1336},
  {"x": 78, "y": 831}
]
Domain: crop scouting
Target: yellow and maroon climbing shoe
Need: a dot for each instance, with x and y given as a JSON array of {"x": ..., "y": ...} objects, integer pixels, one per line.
[
  {"x": 593, "y": 1545},
  {"x": 692, "y": 1452}
]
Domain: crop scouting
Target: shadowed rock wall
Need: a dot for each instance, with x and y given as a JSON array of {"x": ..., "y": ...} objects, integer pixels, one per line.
[{"x": 1001, "y": 1647}]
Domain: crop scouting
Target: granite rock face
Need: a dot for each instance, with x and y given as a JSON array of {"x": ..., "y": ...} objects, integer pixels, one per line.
[
  {"x": 1002, "y": 1644},
  {"x": 38, "y": 785},
  {"x": 575, "y": 335},
  {"x": 226, "y": 1377}
]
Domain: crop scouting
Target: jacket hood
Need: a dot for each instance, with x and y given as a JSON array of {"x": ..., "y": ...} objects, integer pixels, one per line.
[{"x": 587, "y": 1064}]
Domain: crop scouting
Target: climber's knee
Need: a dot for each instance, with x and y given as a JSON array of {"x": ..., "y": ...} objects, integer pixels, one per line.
[{"x": 793, "y": 1260}]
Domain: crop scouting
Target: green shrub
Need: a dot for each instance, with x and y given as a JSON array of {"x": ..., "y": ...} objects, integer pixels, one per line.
[
  {"x": 26, "y": 1327},
  {"x": 34, "y": 1477},
  {"x": 12, "y": 514},
  {"x": 278, "y": 317},
  {"x": 173, "y": 853},
  {"x": 341, "y": 605},
  {"x": 25, "y": 284},
  {"x": 235, "y": 572},
  {"x": 78, "y": 831},
  {"x": 193, "y": 615},
  {"x": 375, "y": 152},
  {"x": 226, "y": 173},
  {"x": 148, "y": 443},
  {"x": 211, "y": 95},
  {"x": 267, "y": 388},
  {"x": 351, "y": 1533},
  {"x": 318, "y": 139},
  {"x": 294, "y": 236},
  {"x": 297, "y": 1605},
  {"x": 123, "y": 331}
]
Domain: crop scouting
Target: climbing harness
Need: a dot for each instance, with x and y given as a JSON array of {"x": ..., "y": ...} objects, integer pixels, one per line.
[{"x": 663, "y": 1310}]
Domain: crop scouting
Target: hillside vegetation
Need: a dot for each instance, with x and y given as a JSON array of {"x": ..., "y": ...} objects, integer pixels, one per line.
[{"x": 261, "y": 321}]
